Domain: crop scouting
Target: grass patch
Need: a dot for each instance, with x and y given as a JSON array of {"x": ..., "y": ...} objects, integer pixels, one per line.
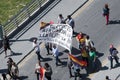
[{"x": 9, "y": 8}]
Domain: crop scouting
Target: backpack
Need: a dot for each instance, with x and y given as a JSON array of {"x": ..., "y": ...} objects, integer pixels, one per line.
[{"x": 114, "y": 52}]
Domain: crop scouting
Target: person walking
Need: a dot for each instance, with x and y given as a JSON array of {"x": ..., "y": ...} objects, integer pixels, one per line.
[
  {"x": 76, "y": 68},
  {"x": 56, "y": 54},
  {"x": 47, "y": 46},
  {"x": 48, "y": 71},
  {"x": 37, "y": 49},
  {"x": 113, "y": 55},
  {"x": 61, "y": 19},
  {"x": 9, "y": 65},
  {"x": 92, "y": 57},
  {"x": 14, "y": 71},
  {"x": 6, "y": 45},
  {"x": 37, "y": 69},
  {"x": 70, "y": 21},
  {"x": 70, "y": 64},
  {"x": 106, "y": 13}
]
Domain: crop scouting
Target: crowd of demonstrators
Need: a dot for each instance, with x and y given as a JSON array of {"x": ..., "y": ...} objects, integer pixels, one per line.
[
  {"x": 87, "y": 49},
  {"x": 37, "y": 49},
  {"x": 113, "y": 55},
  {"x": 6, "y": 45},
  {"x": 40, "y": 71}
]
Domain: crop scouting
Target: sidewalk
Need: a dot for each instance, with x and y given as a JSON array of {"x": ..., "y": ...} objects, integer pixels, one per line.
[
  {"x": 23, "y": 45},
  {"x": 114, "y": 74}
]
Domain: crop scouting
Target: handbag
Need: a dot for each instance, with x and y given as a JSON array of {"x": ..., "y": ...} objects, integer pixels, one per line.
[{"x": 109, "y": 57}]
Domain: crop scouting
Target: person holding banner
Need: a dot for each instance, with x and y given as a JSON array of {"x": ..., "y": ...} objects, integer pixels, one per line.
[
  {"x": 61, "y": 19},
  {"x": 70, "y": 22},
  {"x": 56, "y": 54}
]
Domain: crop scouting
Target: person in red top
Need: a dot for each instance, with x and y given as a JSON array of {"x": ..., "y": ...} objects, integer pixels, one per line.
[{"x": 106, "y": 13}]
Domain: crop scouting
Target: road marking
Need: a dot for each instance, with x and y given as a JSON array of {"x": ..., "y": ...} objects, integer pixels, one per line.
[{"x": 82, "y": 8}]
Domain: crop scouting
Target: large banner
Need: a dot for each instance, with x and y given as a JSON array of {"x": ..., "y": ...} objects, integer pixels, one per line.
[{"x": 60, "y": 34}]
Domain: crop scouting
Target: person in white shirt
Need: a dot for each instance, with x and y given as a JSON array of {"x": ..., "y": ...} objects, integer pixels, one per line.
[
  {"x": 70, "y": 22},
  {"x": 37, "y": 49},
  {"x": 61, "y": 19},
  {"x": 37, "y": 69},
  {"x": 56, "y": 54}
]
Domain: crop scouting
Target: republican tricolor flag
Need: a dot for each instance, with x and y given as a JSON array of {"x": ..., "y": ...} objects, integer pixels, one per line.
[{"x": 76, "y": 60}]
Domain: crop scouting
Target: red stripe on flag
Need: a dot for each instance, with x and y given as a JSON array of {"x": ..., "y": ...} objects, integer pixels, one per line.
[{"x": 76, "y": 60}]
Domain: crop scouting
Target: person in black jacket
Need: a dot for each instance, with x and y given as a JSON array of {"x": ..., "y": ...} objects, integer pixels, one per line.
[
  {"x": 113, "y": 53},
  {"x": 48, "y": 72},
  {"x": 6, "y": 45}
]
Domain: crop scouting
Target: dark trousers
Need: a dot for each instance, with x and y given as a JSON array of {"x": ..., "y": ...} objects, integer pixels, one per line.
[
  {"x": 77, "y": 74},
  {"x": 57, "y": 60},
  {"x": 48, "y": 77},
  {"x": 111, "y": 61},
  {"x": 70, "y": 72},
  {"x": 38, "y": 55},
  {"x": 38, "y": 75},
  {"x": 107, "y": 18},
  {"x": 47, "y": 48}
]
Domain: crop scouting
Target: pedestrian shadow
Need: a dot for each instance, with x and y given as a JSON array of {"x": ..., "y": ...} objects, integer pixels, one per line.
[
  {"x": 31, "y": 39},
  {"x": 75, "y": 51},
  {"x": 64, "y": 63},
  {"x": 97, "y": 67},
  {"x": 16, "y": 54},
  {"x": 84, "y": 77},
  {"x": 23, "y": 77},
  {"x": 114, "y": 22},
  {"x": 116, "y": 65},
  {"x": 61, "y": 53},
  {"x": 3, "y": 70},
  {"x": 104, "y": 68},
  {"x": 99, "y": 54},
  {"x": 47, "y": 59}
]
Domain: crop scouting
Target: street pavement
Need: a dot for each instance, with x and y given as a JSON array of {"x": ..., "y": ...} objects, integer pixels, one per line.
[{"x": 87, "y": 22}]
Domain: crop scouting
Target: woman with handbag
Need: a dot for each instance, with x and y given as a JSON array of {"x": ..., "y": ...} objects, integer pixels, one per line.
[
  {"x": 37, "y": 69},
  {"x": 113, "y": 55}
]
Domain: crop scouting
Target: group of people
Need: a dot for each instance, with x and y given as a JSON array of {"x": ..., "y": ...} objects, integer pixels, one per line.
[
  {"x": 40, "y": 71},
  {"x": 12, "y": 71},
  {"x": 85, "y": 45}
]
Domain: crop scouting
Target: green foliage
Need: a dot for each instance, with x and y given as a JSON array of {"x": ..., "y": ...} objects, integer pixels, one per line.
[{"x": 9, "y": 8}]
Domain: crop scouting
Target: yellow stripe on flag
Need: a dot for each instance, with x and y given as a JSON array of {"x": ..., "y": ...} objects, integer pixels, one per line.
[{"x": 76, "y": 60}]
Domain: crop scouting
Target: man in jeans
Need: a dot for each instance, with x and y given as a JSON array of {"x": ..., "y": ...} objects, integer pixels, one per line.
[
  {"x": 56, "y": 54},
  {"x": 37, "y": 49},
  {"x": 113, "y": 53}
]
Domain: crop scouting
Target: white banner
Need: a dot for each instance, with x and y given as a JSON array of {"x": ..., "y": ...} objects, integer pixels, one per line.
[{"x": 60, "y": 34}]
